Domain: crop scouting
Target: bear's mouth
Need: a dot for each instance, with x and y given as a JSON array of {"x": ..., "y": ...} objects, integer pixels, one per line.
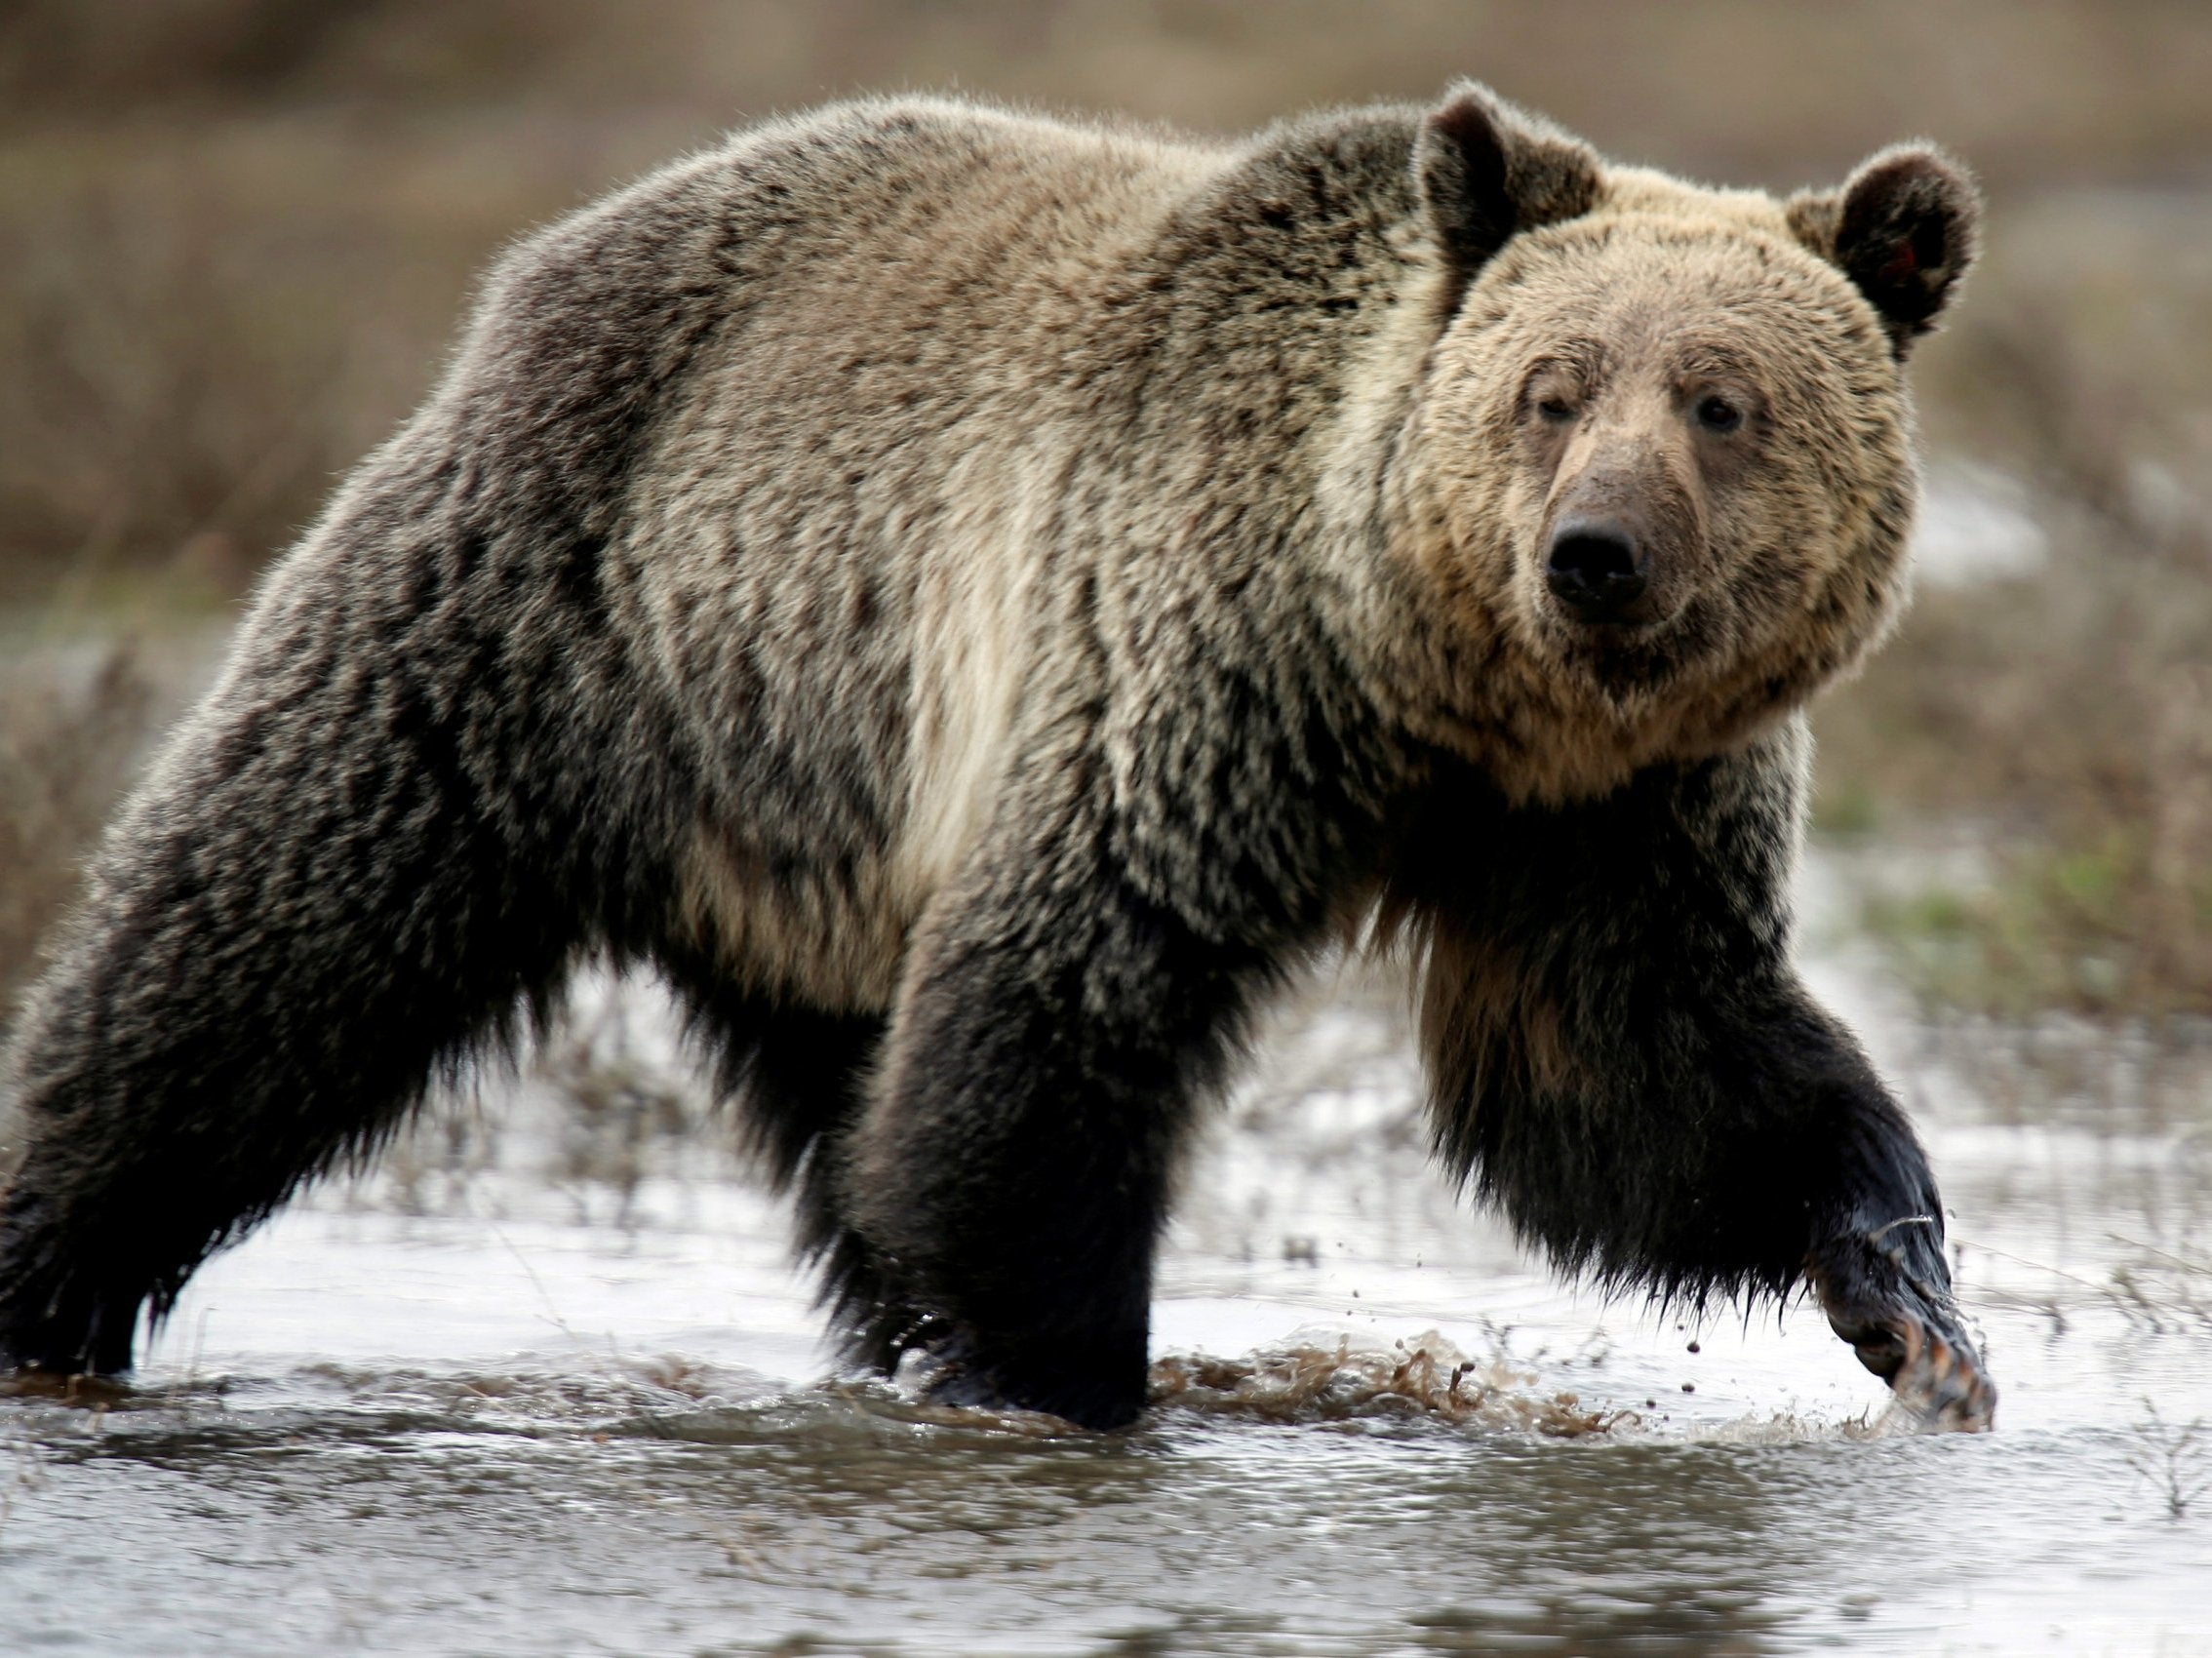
[
  {"x": 1622, "y": 657},
  {"x": 1636, "y": 658},
  {"x": 1628, "y": 643}
]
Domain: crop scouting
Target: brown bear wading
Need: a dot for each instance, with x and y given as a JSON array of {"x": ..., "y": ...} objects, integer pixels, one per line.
[{"x": 974, "y": 601}]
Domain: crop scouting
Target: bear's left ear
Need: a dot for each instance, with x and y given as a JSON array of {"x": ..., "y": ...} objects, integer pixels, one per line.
[
  {"x": 1904, "y": 230},
  {"x": 1485, "y": 170}
]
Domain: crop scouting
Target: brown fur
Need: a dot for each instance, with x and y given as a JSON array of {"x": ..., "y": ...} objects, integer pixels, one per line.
[
  {"x": 973, "y": 600},
  {"x": 1780, "y": 553}
]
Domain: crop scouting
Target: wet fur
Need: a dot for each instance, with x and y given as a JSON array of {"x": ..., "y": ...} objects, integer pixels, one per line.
[{"x": 975, "y": 601}]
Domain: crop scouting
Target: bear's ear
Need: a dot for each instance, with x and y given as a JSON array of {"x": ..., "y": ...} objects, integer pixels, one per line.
[
  {"x": 1904, "y": 230},
  {"x": 1486, "y": 170}
]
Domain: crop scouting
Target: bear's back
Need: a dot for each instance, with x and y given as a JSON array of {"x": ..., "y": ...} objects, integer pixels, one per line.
[{"x": 900, "y": 285}]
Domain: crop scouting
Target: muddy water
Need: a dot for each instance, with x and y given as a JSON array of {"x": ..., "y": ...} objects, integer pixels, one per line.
[{"x": 543, "y": 1383}]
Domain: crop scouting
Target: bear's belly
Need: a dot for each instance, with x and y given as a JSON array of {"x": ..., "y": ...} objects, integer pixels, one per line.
[{"x": 829, "y": 932}]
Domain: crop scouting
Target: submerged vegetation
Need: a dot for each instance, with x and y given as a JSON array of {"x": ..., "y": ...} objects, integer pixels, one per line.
[{"x": 2173, "y": 1459}]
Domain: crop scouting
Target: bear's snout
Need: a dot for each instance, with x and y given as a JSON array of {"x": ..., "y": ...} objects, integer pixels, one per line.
[{"x": 1597, "y": 570}]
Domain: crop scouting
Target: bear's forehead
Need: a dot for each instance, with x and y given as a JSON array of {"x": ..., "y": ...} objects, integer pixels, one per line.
[
  {"x": 1636, "y": 191},
  {"x": 1633, "y": 280}
]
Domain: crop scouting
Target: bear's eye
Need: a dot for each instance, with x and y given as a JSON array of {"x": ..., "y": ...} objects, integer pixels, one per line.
[
  {"x": 1715, "y": 413},
  {"x": 1555, "y": 408}
]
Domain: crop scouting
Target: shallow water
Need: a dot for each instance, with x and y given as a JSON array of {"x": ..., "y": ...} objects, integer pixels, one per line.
[{"x": 543, "y": 1383}]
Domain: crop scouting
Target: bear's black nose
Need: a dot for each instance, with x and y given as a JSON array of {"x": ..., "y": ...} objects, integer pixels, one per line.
[{"x": 1595, "y": 569}]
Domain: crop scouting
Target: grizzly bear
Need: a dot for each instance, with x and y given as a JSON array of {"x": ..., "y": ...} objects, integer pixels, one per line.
[{"x": 974, "y": 602}]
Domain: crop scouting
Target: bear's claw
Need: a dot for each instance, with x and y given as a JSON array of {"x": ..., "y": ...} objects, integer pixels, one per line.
[
  {"x": 1905, "y": 1328},
  {"x": 1934, "y": 1373}
]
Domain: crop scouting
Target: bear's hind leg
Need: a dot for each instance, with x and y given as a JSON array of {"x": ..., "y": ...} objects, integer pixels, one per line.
[
  {"x": 798, "y": 1077},
  {"x": 300, "y": 917}
]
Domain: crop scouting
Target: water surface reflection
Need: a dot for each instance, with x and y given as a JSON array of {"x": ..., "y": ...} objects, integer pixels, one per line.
[{"x": 523, "y": 1393}]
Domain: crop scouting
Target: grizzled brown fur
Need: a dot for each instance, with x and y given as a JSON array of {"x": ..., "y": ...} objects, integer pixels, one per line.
[{"x": 974, "y": 601}]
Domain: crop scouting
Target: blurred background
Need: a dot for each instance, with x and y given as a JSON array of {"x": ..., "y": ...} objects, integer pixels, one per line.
[{"x": 236, "y": 235}]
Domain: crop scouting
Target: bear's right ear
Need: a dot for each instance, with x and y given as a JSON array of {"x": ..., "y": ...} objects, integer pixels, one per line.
[
  {"x": 1904, "y": 229},
  {"x": 1486, "y": 171}
]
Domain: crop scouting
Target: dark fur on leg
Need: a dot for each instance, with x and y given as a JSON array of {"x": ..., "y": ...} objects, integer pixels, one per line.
[
  {"x": 266, "y": 975},
  {"x": 429, "y": 779},
  {"x": 798, "y": 1079},
  {"x": 1625, "y": 1059},
  {"x": 1015, "y": 1170}
]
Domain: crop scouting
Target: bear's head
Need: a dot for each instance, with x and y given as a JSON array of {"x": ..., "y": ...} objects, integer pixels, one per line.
[{"x": 1663, "y": 440}]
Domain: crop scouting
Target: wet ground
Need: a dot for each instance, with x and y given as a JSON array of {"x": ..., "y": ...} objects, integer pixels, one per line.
[{"x": 543, "y": 1383}]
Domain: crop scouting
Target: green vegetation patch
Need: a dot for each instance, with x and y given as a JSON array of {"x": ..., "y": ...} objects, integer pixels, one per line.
[{"x": 2095, "y": 929}]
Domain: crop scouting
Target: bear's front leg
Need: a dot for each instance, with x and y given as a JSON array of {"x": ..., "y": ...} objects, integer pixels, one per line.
[
  {"x": 1877, "y": 1262},
  {"x": 1625, "y": 1059},
  {"x": 1056, "y": 1028}
]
